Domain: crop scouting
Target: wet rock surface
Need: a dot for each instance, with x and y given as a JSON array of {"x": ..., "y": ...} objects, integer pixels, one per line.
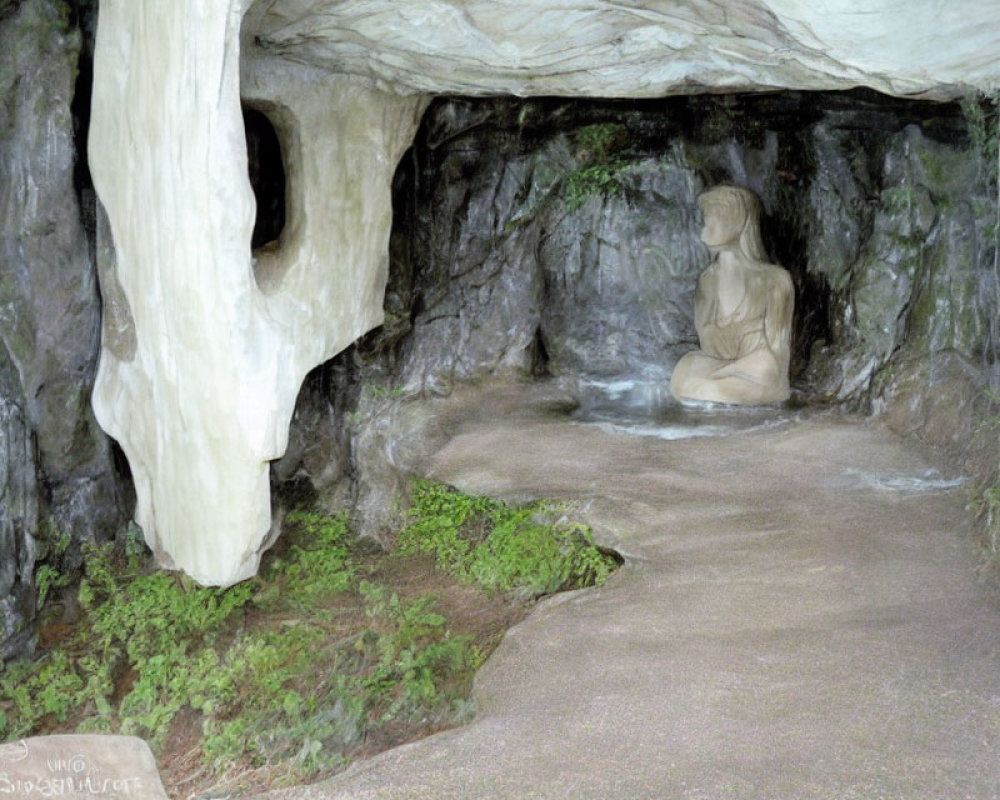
[{"x": 18, "y": 518}]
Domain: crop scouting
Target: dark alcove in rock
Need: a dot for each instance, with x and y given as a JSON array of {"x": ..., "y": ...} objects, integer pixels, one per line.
[
  {"x": 267, "y": 177},
  {"x": 576, "y": 224},
  {"x": 560, "y": 238}
]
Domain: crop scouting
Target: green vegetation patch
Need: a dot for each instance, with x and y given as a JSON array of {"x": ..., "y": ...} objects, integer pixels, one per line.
[
  {"x": 294, "y": 668},
  {"x": 289, "y": 675},
  {"x": 532, "y": 548},
  {"x": 599, "y": 148}
]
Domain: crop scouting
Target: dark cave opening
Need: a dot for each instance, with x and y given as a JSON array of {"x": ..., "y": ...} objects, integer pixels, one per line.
[
  {"x": 461, "y": 194},
  {"x": 267, "y": 177}
]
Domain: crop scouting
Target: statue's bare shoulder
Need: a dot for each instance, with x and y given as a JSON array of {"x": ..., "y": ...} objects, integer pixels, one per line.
[{"x": 777, "y": 275}]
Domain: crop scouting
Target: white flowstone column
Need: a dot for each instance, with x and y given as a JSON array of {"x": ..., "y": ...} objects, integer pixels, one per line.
[{"x": 200, "y": 365}]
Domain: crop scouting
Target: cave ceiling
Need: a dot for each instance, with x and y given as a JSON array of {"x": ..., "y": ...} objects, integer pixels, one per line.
[{"x": 596, "y": 48}]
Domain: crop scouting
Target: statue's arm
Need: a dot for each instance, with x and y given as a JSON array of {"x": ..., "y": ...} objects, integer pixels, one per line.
[
  {"x": 778, "y": 317},
  {"x": 773, "y": 359},
  {"x": 704, "y": 310}
]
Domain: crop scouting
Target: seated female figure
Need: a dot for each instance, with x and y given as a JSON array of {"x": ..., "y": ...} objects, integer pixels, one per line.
[{"x": 743, "y": 310}]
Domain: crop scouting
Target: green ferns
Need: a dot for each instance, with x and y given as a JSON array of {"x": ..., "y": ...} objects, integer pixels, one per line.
[
  {"x": 598, "y": 147},
  {"x": 303, "y": 691},
  {"x": 483, "y": 541},
  {"x": 292, "y": 671}
]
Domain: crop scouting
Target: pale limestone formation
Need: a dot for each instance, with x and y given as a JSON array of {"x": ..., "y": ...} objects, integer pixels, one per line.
[
  {"x": 203, "y": 355},
  {"x": 743, "y": 311},
  {"x": 622, "y": 48}
]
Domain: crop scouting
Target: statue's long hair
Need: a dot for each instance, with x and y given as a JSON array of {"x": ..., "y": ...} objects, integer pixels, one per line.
[{"x": 742, "y": 208}]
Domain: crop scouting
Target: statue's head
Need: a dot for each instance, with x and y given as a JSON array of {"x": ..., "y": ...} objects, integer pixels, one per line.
[{"x": 732, "y": 216}]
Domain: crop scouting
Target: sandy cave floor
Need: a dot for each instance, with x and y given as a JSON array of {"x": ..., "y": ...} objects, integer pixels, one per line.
[{"x": 799, "y": 616}]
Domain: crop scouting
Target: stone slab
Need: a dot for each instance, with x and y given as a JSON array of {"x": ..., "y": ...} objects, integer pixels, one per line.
[{"x": 79, "y": 766}]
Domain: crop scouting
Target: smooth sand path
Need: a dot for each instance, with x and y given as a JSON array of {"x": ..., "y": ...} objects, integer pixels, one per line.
[{"x": 799, "y": 617}]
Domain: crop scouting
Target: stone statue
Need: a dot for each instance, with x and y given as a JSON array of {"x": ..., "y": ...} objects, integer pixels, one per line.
[{"x": 742, "y": 310}]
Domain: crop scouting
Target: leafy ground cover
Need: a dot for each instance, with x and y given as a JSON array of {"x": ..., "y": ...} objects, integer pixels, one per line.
[{"x": 336, "y": 650}]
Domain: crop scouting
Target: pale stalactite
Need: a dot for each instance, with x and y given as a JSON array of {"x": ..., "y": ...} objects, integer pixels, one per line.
[{"x": 204, "y": 401}]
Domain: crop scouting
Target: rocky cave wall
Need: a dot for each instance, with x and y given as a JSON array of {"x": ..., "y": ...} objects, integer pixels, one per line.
[
  {"x": 59, "y": 484},
  {"x": 559, "y": 238}
]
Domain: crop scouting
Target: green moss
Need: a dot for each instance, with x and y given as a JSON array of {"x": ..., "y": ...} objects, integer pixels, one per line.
[
  {"x": 598, "y": 143},
  {"x": 599, "y": 149},
  {"x": 899, "y": 199},
  {"x": 982, "y": 116},
  {"x": 531, "y": 548},
  {"x": 597, "y": 180},
  {"x": 944, "y": 171}
]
